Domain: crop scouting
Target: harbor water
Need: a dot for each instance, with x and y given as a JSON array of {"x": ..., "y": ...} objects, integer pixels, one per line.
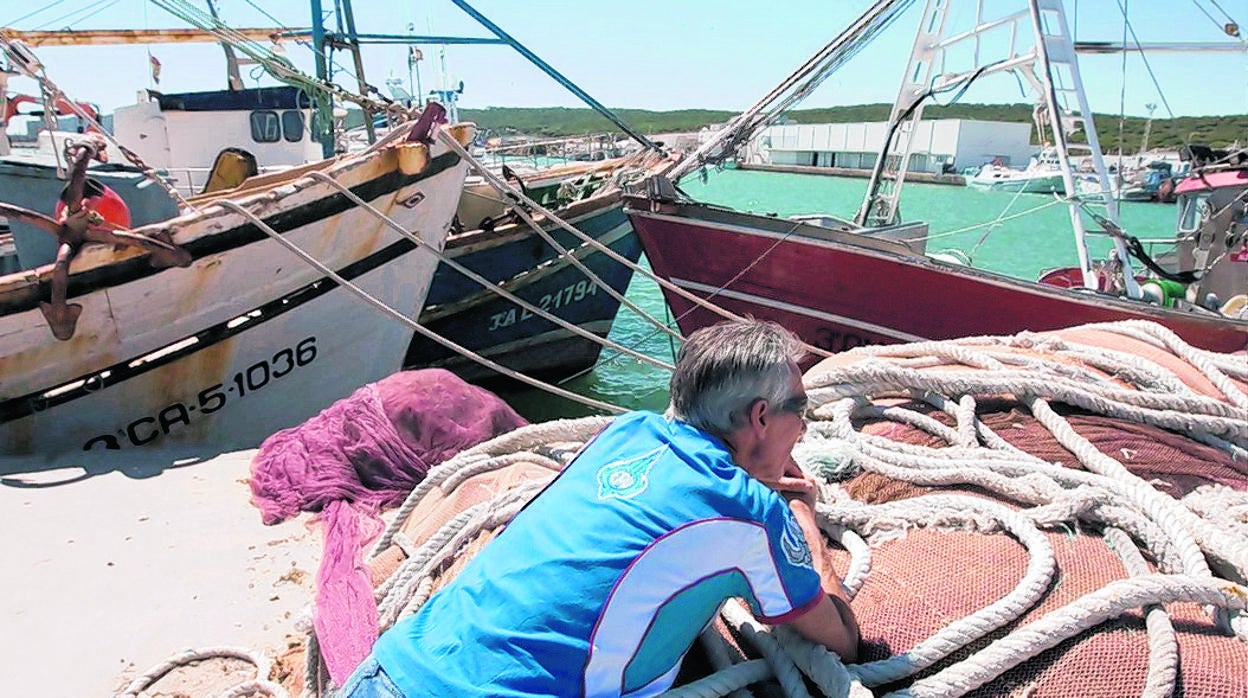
[{"x": 1019, "y": 235}]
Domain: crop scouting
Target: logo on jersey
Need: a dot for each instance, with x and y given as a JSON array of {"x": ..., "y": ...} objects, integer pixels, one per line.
[
  {"x": 793, "y": 541},
  {"x": 627, "y": 479}
]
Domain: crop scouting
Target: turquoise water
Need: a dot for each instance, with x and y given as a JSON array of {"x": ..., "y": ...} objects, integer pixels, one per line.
[{"x": 1020, "y": 246}]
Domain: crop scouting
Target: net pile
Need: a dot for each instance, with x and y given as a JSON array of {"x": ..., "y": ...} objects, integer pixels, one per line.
[
  {"x": 1033, "y": 515},
  {"x": 1005, "y": 496}
]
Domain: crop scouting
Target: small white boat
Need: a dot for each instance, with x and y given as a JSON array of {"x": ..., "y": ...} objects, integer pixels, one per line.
[
  {"x": 1043, "y": 175},
  {"x": 1119, "y": 188}
]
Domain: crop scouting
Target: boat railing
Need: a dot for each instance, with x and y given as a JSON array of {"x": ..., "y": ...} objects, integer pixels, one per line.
[
  {"x": 190, "y": 181},
  {"x": 1158, "y": 248}
]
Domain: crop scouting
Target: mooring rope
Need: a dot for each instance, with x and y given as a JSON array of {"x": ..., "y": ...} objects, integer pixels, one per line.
[
  {"x": 604, "y": 249},
  {"x": 486, "y": 283},
  {"x": 261, "y": 685},
  {"x": 420, "y": 329},
  {"x": 503, "y": 187}
]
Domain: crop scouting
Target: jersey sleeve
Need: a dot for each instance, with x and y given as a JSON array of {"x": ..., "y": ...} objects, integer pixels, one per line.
[{"x": 800, "y": 586}]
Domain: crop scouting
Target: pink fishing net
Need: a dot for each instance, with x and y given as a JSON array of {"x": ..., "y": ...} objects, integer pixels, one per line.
[{"x": 361, "y": 454}]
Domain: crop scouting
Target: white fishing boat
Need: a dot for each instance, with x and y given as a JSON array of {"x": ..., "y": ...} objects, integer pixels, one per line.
[
  {"x": 208, "y": 140},
  {"x": 106, "y": 351}
]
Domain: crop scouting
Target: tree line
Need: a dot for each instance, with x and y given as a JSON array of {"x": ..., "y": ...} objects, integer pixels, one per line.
[{"x": 558, "y": 122}]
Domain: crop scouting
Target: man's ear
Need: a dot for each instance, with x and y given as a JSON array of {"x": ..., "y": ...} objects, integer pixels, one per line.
[{"x": 759, "y": 412}]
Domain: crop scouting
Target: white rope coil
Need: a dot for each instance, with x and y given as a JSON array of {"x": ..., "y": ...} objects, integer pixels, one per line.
[{"x": 260, "y": 685}]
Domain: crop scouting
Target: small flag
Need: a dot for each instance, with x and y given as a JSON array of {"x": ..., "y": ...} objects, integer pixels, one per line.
[
  {"x": 155, "y": 68},
  {"x": 413, "y": 56}
]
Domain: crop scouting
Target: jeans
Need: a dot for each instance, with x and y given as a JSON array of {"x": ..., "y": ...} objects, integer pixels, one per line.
[{"x": 369, "y": 680}]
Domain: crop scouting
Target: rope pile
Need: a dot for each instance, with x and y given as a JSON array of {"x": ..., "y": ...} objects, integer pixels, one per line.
[{"x": 1046, "y": 558}]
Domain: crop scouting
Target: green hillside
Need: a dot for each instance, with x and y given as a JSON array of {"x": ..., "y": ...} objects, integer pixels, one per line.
[{"x": 1217, "y": 131}]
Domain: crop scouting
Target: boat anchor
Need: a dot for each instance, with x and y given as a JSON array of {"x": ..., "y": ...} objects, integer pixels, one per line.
[{"x": 81, "y": 225}]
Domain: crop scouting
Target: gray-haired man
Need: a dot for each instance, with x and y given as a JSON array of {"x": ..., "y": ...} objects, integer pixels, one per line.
[{"x": 602, "y": 583}]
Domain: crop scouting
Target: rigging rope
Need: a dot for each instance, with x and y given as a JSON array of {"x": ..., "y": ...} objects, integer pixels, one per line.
[
  {"x": 420, "y": 329},
  {"x": 279, "y": 67},
  {"x": 502, "y": 186},
  {"x": 20, "y": 57},
  {"x": 1144, "y": 57},
  {"x": 484, "y": 282},
  {"x": 797, "y": 85}
]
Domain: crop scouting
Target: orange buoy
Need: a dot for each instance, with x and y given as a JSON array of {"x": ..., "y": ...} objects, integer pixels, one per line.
[{"x": 98, "y": 197}]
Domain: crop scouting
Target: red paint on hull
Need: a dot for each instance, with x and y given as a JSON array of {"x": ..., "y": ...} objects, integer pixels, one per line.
[{"x": 860, "y": 296}]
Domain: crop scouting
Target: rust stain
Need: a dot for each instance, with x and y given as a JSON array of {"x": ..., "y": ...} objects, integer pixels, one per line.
[
  {"x": 68, "y": 354},
  {"x": 388, "y": 160},
  {"x": 182, "y": 379},
  {"x": 180, "y": 382}
]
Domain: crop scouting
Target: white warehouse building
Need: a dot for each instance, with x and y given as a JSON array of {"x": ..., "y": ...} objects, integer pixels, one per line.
[{"x": 944, "y": 145}]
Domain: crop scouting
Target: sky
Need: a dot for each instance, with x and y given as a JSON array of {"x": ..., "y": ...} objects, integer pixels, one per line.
[{"x": 646, "y": 54}]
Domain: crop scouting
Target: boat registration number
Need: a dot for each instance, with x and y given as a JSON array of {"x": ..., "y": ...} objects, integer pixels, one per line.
[
  {"x": 148, "y": 428},
  {"x": 572, "y": 293}
]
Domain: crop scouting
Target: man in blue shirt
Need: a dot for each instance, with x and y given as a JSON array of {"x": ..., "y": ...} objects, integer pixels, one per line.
[{"x": 602, "y": 583}]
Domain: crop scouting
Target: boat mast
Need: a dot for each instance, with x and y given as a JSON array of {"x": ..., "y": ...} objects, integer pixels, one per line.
[
  {"x": 1057, "y": 60},
  {"x": 1050, "y": 66},
  {"x": 352, "y": 44},
  {"x": 233, "y": 78},
  {"x": 323, "y": 42},
  {"x": 880, "y": 206},
  {"x": 323, "y": 100}
]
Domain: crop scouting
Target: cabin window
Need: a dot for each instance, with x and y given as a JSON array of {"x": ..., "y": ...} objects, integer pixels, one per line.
[
  {"x": 265, "y": 127},
  {"x": 1192, "y": 212},
  {"x": 292, "y": 125}
]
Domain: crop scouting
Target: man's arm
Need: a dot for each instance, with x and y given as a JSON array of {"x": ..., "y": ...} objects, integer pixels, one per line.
[{"x": 831, "y": 622}]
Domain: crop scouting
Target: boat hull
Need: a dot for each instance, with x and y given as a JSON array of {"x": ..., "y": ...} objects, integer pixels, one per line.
[
  {"x": 249, "y": 339},
  {"x": 1039, "y": 184},
  {"x": 519, "y": 260},
  {"x": 837, "y": 293}
]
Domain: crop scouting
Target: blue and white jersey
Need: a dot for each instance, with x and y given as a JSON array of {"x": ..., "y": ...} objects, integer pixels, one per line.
[{"x": 601, "y": 584}]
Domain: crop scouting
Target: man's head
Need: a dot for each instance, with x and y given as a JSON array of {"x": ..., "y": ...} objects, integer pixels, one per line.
[{"x": 739, "y": 380}]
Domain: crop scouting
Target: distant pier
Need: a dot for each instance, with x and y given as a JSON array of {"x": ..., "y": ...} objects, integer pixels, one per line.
[{"x": 928, "y": 178}]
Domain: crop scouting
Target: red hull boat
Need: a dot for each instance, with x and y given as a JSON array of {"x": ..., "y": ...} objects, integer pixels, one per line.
[
  {"x": 841, "y": 284},
  {"x": 845, "y": 286}
]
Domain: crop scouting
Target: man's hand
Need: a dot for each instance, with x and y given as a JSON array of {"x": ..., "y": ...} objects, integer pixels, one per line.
[{"x": 793, "y": 484}]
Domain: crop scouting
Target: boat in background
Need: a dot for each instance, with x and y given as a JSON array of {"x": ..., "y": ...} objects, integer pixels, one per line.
[
  {"x": 1212, "y": 234},
  {"x": 848, "y": 283},
  {"x": 507, "y": 251},
  {"x": 1043, "y": 175},
  {"x": 210, "y": 140},
  {"x": 1122, "y": 187},
  {"x": 32, "y": 176}
]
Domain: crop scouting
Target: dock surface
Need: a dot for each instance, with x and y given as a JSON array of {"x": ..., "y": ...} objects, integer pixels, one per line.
[{"x": 114, "y": 564}]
